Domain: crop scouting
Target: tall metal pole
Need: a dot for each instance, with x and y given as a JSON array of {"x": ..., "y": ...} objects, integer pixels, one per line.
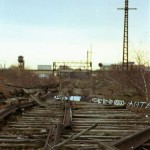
[{"x": 125, "y": 62}]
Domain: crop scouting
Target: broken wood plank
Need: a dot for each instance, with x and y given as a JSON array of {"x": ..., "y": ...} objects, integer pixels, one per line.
[
  {"x": 49, "y": 136},
  {"x": 37, "y": 100},
  {"x": 34, "y": 98},
  {"x": 72, "y": 137}
]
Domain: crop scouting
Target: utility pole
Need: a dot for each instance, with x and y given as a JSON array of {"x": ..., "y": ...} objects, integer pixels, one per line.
[
  {"x": 89, "y": 58},
  {"x": 125, "y": 64}
]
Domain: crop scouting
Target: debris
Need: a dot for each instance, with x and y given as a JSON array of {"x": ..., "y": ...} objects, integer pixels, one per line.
[{"x": 72, "y": 137}]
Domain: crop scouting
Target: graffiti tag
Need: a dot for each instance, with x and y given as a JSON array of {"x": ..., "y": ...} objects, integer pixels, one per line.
[{"x": 121, "y": 102}]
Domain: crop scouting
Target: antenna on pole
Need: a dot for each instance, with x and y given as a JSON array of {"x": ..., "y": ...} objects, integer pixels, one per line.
[{"x": 125, "y": 63}]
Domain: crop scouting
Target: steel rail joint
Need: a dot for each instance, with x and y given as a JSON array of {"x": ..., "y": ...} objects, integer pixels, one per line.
[{"x": 133, "y": 141}]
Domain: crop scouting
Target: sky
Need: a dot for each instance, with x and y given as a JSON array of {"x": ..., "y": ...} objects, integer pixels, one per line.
[{"x": 45, "y": 31}]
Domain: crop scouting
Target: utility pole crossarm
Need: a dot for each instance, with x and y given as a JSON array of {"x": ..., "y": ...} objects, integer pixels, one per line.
[
  {"x": 128, "y": 8},
  {"x": 125, "y": 39}
]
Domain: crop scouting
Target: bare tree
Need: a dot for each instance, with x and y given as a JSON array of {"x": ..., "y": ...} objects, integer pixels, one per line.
[
  {"x": 140, "y": 75},
  {"x": 141, "y": 58}
]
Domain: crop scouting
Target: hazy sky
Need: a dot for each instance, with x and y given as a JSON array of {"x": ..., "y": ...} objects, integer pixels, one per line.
[{"x": 44, "y": 31}]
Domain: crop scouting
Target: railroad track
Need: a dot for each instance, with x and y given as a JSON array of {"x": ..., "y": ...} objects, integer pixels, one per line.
[
  {"x": 114, "y": 123},
  {"x": 72, "y": 125}
]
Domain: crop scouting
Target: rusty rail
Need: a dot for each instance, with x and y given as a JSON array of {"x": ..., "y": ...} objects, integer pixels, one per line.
[
  {"x": 133, "y": 141},
  {"x": 67, "y": 121},
  {"x": 52, "y": 127},
  {"x": 54, "y": 135},
  {"x": 7, "y": 111}
]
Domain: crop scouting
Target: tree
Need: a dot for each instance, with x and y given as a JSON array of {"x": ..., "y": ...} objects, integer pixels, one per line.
[
  {"x": 140, "y": 78},
  {"x": 100, "y": 65},
  {"x": 141, "y": 58}
]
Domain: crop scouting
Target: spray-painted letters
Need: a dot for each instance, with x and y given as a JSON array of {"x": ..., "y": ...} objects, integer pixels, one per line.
[{"x": 121, "y": 103}]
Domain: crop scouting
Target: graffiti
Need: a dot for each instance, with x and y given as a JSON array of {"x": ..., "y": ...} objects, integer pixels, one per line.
[
  {"x": 109, "y": 101},
  {"x": 71, "y": 98},
  {"x": 136, "y": 104},
  {"x": 106, "y": 101},
  {"x": 121, "y": 103},
  {"x": 102, "y": 101},
  {"x": 58, "y": 97},
  {"x": 148, "y": 105}
]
